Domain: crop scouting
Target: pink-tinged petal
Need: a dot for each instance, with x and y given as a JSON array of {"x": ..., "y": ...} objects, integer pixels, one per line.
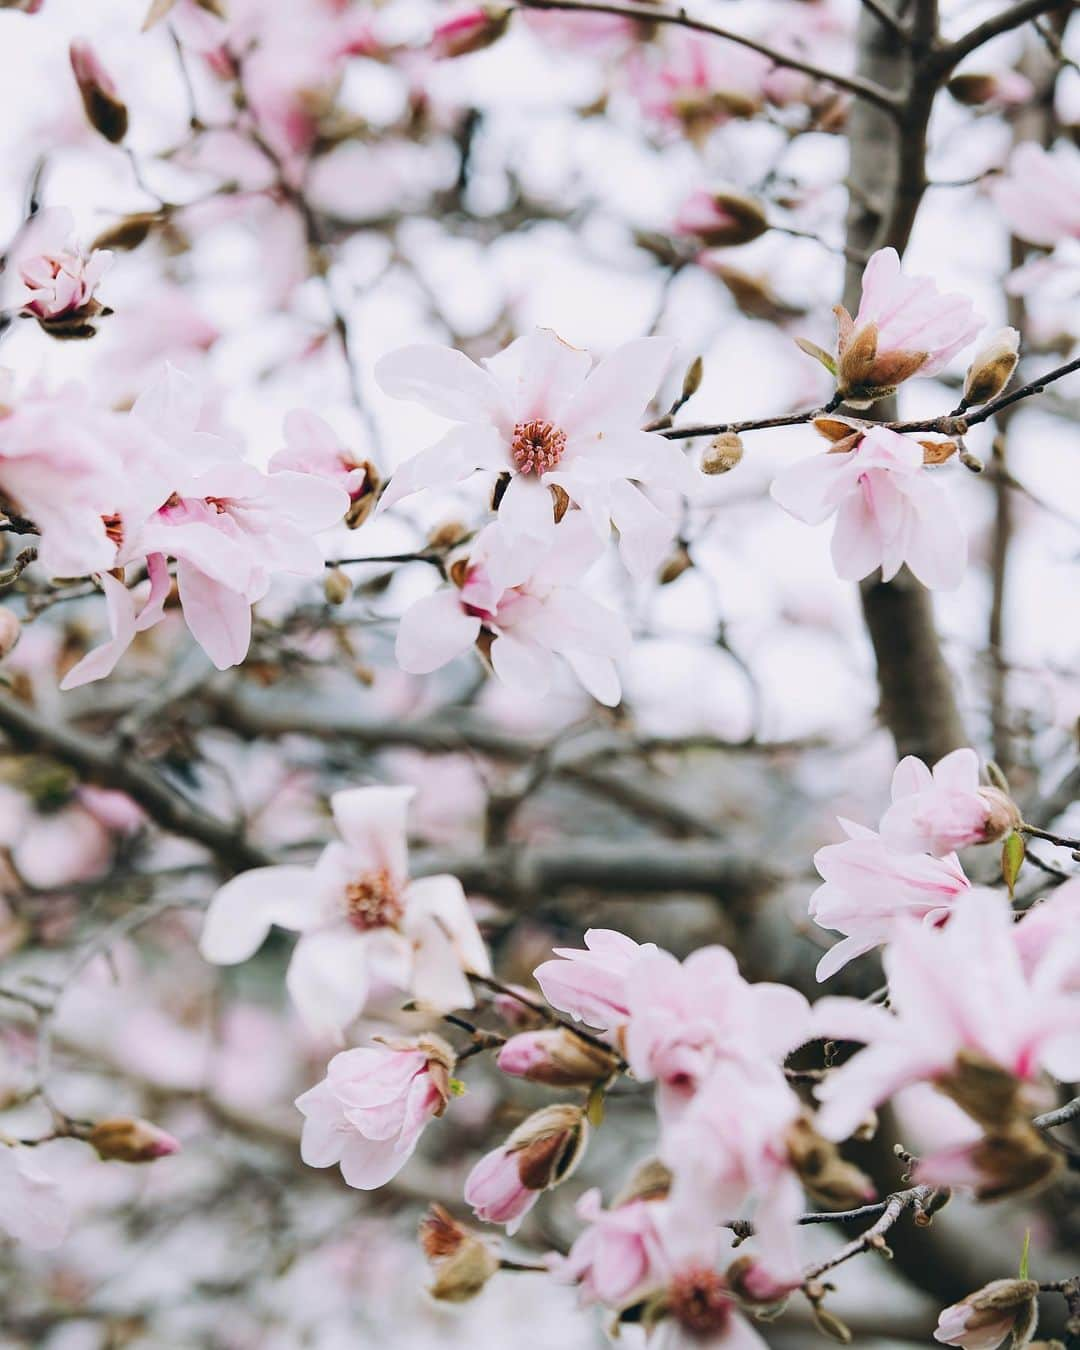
[
  {"x": 645, "y": 533},
  {"x": 308, "y": 500},
  {"x": 442, "y": 900},
  {"x": 96, "y": 664},
  {"x": 598, "y": 675},
  {"x": 219, "y": 618},
  {"x": 322, "y": 1139},
  {"x": 460, "y": 452},
  {"x": 539, "y": 374},
  {"x": 438, "y": 981},
  {"x": 577, "y": 545},
  {"x": 958, "y": 771},
  {"x": 442, "y": 380},
  {"x": 242, "y": 912},
  {"x": 328, "y": 979},
  {"x": 523, "y": 666},
  {"x": 936, "y": 547},
  {"x": 434, "y": 631},
  {"x": 527, "y": 509},
  {"x": 836, "y": 958},
  {"x": 811, "y": 489},
  {"x": 373, "y": 823},
  {"x": 620, "y": 388},
  {"x": 856, "y": 542},
  {"x": 847, "y": 1019},
  {"x": 368, "y": 1164},
  {"x": 910, "y": 776}
]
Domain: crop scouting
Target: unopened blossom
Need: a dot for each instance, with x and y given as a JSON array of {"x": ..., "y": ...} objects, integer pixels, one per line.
[
  {"x": 889, "y": 508},
  {"x": 946, "y": 809},
  {"x": 957, "y": 993},
  {"x": 728, "y": 1154},
  {"x": 59, "y": 278},
  {"x": 470, "y": 28},
  {"x": 1039, "y": 193},
  {"x": 368, "y": 1113},
  {"x": 541, "y": 412},
  {"x": 871, "y": 885},
  {"x": 985, "y": 1318},
  {"x": 590, "y": 983},
  {"x": 33, "y": 1208},
  {"x": 720, "y": 218},
  {"x": 522, "y": 594},
  {"x": 542, "y": 1152},
  {"x": 558, "y": 1057},
  {"x": 128, "y": 1139},
  {"x": 694, "y": 82},
  {"x": 463, "y": 1260},
  {"x": 105, "y": 110},
  {"x": 991, "y": 89},
  {"x": 684, "y": 1018},
  {"x": 359, "y": 916},
  {"x": 992, "y": 367},
  {"x": 618, "y": 1259},
  {"x": 904, "y": 327}
]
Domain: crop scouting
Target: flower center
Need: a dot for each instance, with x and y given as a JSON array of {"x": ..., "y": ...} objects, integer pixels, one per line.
[
  {"x": 537, "y": 446},
  {"x": 700, "y": 1301},
  {"x": 374, "y": 901}
]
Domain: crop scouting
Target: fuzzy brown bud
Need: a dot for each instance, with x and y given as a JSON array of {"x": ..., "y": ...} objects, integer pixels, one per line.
[
  {"x": 558, "y": 1058},
  {"x": 992, "y": 367},
  {"x": 678, "y": 562},
  {"x": 833, "y": 1182},
  {"x": 463, "y": 1261},
  {"x": 127, "y": 1139},
  {"x": 650, "y": 1180},
  {"x": 336, "y": 586},
  {"x": 105, "y": 110},
  {"x": 725, "y": 452},
  {"x": 549, "y": 1145}
]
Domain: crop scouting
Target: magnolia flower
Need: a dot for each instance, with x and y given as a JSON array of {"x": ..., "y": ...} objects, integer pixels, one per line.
[
  {"x": 696, "y": 82},
  {"x": 369, "y": 1111},
  {"x": 618, "y": 1260},
  {"x": 1039, "y": 194},
  {"x": 105, "y": 110},
  {"x": 889, "y": 510},
  {"x": 543, "y": 1151},
  {"x": 591, "y": 983},
  {"x": 312, "y": 446},
  {"x": 60, "y": 280},
  {"x": 904, "y": 327},
  {"x": 541, "y": 412},
  {"x": 720, "y": 218},
  {"x": 984, "y": 1319},
  {"x": 728, "y": 1154},
  {"x": 685, "y": 1018},
  {"x": 519, "y": 591},
  {"x": 469, "y": 29},
  {"x": 32, "y": 1206},
  {"x": 55, "y": 836},
  {"x": 956, "y": 990},
  {"x": 229, "y": 526},
  {"x": 360, "y": 918},
  {"x": 947, "y": 809},
  {"x": 871, "y": 886},
  {"x": 1051, "y": 929},
  {"x": 558, "y": 1057}
]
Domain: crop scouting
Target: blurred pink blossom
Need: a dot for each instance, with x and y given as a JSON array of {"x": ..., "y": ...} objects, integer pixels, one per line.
[
  {"x": 33, "y": 1208},
  {"x": 947, "y": 809},
  {"x": 590, "y": 983}
]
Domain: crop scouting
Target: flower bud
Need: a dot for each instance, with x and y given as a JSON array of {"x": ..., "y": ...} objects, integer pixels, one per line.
[
  {"x": 514, "y": 1012},
  {"x": 1008, "y": 89},
  {"x": 558, "y": 1058},
  {"x": 448, "y": 535},
  {"x": 724, "y": 453},
  {"x": 833, "y": 1182},
  {"x": 105, "y": 111},
  {"x": 130, "y": 231},
  {"x": 992, "y": 367},
  {"x": 987, "y": 1316},
  {"x": 678, "y": 562},
  {"x": 10, "y": 631},
  {"x": 650, "y": 1180},
  {"x": 548, "y": 1145},
  {"x": 471, "y": 30},
  {"x": 463, "y": 1261},
  {"x": 721, "y": 218},
  {"x": 336, "y": 586},
  {"x": 695, "y": 371},
  {"x": 126, "y": 1139},
  {"x": 1002, "y": 817}
]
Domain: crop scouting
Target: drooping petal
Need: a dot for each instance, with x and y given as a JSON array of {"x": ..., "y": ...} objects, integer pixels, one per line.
[
  {"x": 219, "y": 618},
  {"x": 328, "y": 979}
]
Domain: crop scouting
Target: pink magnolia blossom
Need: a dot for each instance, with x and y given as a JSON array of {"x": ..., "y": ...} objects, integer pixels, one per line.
[
  {"x": 58, "y": 844},
  {"x": 904, "y": 327},
  {"x": 728, "y": 1154},
  {"x": 542, "y": 1152},
  {"x": 947, "y": 809},
  {"x": 496, "y": 1192},
  {"x": 1039, "y": 194},
  {"x": 521, "y": 591},
  {"x": 469, "y": 29},
  {"x": 596, "y": 34},
  {"x": 686, "y": 1018},
  {"x": 368, "y": 1113},
  {"x": 312, "y": 446},
  {"x": 541, "y": 412},
  {"x": 870, "y": 887},
  {"x": 984, "y": 1319},
  {"x": 60, "y": 280},
  {"x": 889, "y": 510},
  {"x": 591, "y": 983},
  {"x": 1050, "y": 930},
  {"x": 230, "y": 527},
  {"x": 618, "y": 1259},
  {"x": 33, "y": 1208},
  {"x": 359, "y": 917},
  {"x": 720, "y": 218},
  {"x": 953, "y": 989}
]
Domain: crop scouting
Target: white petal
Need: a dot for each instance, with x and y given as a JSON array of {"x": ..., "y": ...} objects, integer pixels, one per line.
[
  {"x": 241, "y": 913},
  {"x": 328, "y": 979},
  {"x": 442, "y": 380},
  {"x": 219, "y": 618},
  {"x": 539, "y": 375},
  {"x": 372, "y": 821},
  {"x": 621, "y": 387},
  {"x": 527, "y": 508},
  {"x": 434, "y": 631},
  {"x": 460, "y": 452}
]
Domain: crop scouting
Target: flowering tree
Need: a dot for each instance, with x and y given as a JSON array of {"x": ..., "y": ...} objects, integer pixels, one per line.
[{"x": 440, "y": 757}]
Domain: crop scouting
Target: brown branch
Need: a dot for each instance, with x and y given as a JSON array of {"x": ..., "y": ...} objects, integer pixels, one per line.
[
  {"x": 647, "y": 13},
  {"x": 1004, "y": 22},
  {"x": 918, "y": 1198}
]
